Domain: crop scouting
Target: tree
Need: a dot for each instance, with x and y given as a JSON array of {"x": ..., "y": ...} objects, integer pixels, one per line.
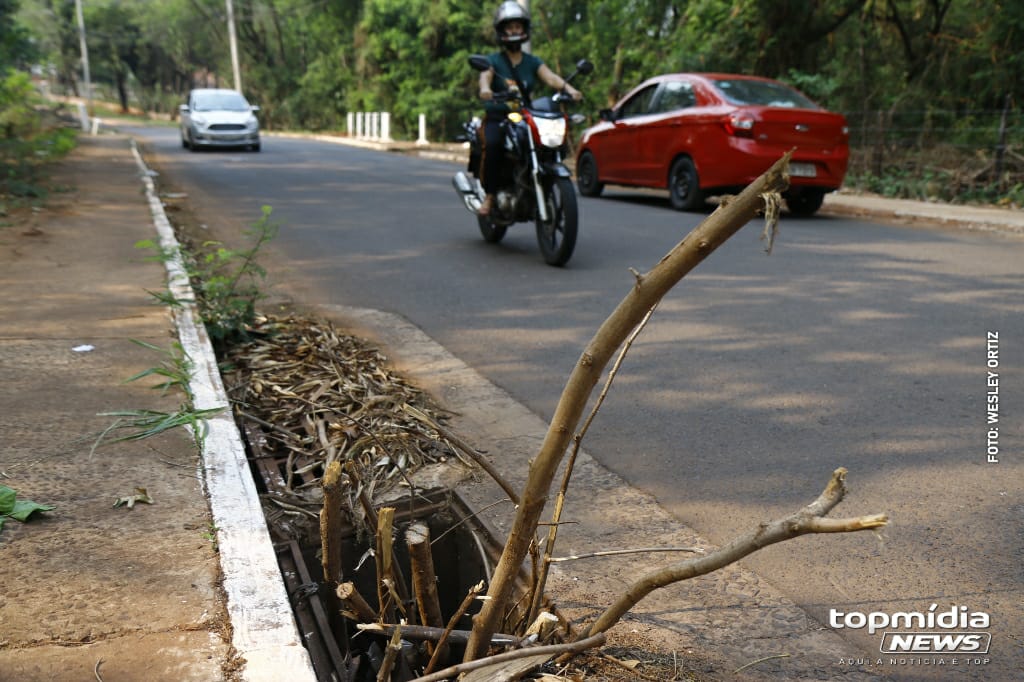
[{"x": 15, "y": 47}]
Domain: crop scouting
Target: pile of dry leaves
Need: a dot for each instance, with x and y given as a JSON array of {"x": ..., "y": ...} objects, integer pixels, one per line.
[{"x": 310, "y": 395}]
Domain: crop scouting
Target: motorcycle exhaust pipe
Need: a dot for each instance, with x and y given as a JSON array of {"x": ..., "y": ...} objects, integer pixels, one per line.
[{"x": 467, "y": 189}]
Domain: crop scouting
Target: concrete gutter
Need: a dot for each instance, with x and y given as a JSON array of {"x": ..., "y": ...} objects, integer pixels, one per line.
[{"x": 264, "y": 632}]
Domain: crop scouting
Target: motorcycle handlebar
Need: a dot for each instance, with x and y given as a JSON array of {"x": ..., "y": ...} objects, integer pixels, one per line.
[{"x": 509, "y": 96}]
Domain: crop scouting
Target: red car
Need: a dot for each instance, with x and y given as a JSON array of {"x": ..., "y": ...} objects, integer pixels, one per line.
[{"x": 705, "y": 134}]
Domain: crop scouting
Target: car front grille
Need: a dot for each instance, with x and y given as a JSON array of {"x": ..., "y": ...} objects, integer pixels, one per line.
[{"x": 227, "y": 126}]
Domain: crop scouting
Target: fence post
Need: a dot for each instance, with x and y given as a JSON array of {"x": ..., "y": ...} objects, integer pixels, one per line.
[
  {"x": 83, "y": 116},
  {"x": 385, "y": 126},
  {"x": 1001, "y": 145},
  {"x": 360, "y": 118},
  {"x": 422, "y": 139},
  {"x": 350, "y": 119}
]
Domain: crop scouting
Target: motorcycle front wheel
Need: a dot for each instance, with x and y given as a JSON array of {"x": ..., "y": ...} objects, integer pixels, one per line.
[
  {"x": 557, "y": 236},
  {"x": 491, "y": 231}
]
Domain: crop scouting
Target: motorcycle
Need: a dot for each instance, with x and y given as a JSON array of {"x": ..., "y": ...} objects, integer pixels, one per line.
[{"x": 538, "y": 187}]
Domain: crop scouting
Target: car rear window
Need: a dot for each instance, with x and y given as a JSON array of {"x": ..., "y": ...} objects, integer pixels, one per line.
[{"x": 762, "y": 93}]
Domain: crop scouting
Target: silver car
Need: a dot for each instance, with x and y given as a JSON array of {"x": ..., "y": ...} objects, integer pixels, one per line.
[{"x": 217, "y": 117}]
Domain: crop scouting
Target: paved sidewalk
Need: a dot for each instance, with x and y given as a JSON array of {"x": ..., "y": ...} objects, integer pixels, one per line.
[
  {"x": 925, "y": 213},
  {"x": 89, "y": 590}
]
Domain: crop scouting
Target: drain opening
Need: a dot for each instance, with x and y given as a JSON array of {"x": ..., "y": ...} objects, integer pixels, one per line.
[{"x": 463, "y": 552}]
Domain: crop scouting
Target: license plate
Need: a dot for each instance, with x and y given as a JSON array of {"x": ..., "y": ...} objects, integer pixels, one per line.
[{"x": 802, "y": 170}]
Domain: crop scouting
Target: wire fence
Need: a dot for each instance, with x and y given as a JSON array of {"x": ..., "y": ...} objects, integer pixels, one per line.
[{"x": 958, "y": 155}]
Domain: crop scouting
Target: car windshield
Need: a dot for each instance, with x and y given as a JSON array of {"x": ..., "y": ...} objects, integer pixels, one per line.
[
  {"x": 762, "y": 93},
  {"x": 218, "y": 101}
]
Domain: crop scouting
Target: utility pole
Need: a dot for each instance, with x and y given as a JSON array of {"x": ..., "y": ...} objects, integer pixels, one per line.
[
  {"x": 233, "y": 42},
  {"x": 85, "y": 56}
]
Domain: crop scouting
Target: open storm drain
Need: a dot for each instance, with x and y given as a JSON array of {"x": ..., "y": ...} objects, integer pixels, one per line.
[
  {"x": 439, "y": 556},
  {"x": 341, "y": 636}
]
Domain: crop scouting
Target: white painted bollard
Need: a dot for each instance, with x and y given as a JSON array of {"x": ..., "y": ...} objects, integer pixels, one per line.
[
  {"x": 422, "y": 139},
  {"x": 359, "y": 124},
  {"x": 375, "y": 134},
  {"x": 350, "y": 119},
  {"x": 385, "y": 126},
  {"x": 96, "y": 126},
  {"x": 83, "y": 116}
]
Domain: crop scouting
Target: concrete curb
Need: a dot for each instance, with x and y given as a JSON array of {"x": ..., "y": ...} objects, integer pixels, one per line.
[{"x": 264, "y": 632}]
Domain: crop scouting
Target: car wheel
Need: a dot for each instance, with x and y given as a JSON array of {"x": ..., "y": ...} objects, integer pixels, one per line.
[
  {"x": 255, "y": 147},
  {"x": 586, "y": 176},
  {"x": 184, "y": 142},
  {"x": 805, "y": 203},
  {"x": 684, "y": 186}
]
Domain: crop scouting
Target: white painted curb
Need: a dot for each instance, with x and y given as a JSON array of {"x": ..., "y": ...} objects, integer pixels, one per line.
[{"x": 264, "y": 632}]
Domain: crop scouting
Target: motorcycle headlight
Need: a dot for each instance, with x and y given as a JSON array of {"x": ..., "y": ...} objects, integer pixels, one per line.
[{"x": 551, "y": 131}]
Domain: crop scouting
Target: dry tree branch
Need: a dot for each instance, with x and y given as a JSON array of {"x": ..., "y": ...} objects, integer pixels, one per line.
[
  {"x": 807, "y": 520},
  {"x": 619, "y": 552},
  {"x": 467, "y": 601},
  {"x": 465, "y": 448},
  {"x": 538, "y": 651},
  {"x": 426, "y": 633},
  {"x": 549, "y": 546},
  {"x": 648, "y": 290}
]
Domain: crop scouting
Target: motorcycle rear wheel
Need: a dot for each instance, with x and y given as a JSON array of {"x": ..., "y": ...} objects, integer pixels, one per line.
[
  {"x": 491, "y": 231},
  {"x": 557, "y": 236}
]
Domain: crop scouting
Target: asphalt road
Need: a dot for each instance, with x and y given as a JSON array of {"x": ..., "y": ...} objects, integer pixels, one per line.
[{"x": 853, "y": 344}]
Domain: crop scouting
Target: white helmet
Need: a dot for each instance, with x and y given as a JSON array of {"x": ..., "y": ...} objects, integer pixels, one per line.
[{"x": 510, "y": 10}]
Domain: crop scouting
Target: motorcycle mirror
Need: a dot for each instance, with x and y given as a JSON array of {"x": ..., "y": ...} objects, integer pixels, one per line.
[
  {"x": 479, "y": 62},
  {"x": 584, "y": 66}
]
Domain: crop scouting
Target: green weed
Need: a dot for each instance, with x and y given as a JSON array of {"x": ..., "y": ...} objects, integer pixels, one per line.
[
  {"x": 174, "y": 371},
  {"x": 142, "y": 424},
  {"x": 227, "y": 283}
]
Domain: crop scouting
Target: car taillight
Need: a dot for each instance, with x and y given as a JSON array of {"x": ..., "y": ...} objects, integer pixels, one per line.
[{"x": 739, "y": 126}]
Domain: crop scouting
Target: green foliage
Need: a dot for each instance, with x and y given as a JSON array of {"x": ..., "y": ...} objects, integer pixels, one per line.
[
  {"x": 174, "y": 371},
  {"x": 936, "y": 70},
  {"x": 15, "y": 42},
  {"x": 142, "y": 424},
  {"x": 160, "y": 255},
  {"x": 227, "y": 283},
  {"x": 19, "y": 510},
  {"x": 30, "y": 137}
]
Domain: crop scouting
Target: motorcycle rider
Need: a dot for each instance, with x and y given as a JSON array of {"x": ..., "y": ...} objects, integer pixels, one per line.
[{"x": 511, "y": 68}]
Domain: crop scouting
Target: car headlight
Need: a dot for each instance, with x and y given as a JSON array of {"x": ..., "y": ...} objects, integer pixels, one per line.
[
  {"x": 199, "y": 120},
  {"x": 251, "y": 123},
  {"x": 551, "y": 131}
]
